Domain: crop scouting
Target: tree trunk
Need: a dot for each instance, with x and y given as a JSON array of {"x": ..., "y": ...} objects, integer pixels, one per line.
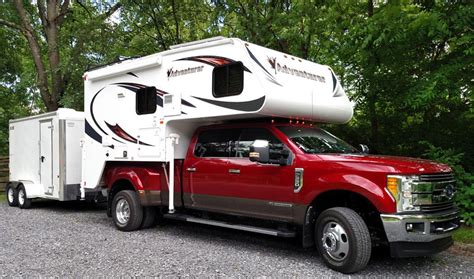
[{"x": 372, "y": 98}]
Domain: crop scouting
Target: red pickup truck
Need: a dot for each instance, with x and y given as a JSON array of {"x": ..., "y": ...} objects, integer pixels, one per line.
[{"x": 294, "y": 180}]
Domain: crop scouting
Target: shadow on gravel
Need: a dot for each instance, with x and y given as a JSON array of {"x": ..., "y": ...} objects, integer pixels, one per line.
[
  {"x": 232, "y": 237},
  {"x": 73, "y": 206}
]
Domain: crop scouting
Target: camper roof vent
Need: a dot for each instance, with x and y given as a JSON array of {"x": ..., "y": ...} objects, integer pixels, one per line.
[{"x": 198, "y": 42}]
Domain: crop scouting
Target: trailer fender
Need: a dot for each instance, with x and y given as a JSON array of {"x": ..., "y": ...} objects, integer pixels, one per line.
[{"x": 32, "y": 190}]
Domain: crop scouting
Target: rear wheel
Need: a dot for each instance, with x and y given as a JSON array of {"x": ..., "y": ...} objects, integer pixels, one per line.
[
  {"x": 343, "y": 240},
  {"x": 23, "y": 201},
  {"x": 149, "y": 217},
  {"x": 127, "y": 212},
  {"x": 12, "y": 196}
]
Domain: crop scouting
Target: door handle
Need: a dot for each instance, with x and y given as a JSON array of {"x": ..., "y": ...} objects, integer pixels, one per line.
[
  {"x": 191, "y": 169},
  {"x": 42, "y": 159},
  {"x": 234, "y": 171}
]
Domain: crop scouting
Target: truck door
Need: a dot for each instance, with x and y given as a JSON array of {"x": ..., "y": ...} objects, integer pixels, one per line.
[
  {"x": 206, "y": 171},
  {"x": 46, "y": 154},
  {"x": 260, "y": 190}
]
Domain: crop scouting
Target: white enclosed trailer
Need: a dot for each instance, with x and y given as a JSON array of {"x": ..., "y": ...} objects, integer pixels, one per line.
[{"x": 45, "y": 155}]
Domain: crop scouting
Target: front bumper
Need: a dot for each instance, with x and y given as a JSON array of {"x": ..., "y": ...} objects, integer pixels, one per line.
[{"x": 419, "y": 234}]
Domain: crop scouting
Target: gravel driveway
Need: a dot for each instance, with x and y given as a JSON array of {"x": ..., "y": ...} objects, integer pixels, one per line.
[{"x": 78, "y": 239}]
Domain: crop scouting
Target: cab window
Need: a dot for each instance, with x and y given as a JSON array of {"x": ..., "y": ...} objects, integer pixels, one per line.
[
  {"x": 248, "y": 136},
  {"x": 216, "y": 143}
]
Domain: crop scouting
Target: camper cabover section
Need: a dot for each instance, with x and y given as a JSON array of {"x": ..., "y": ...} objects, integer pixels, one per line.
[
  {"x": 146, "y": 109},
  {"x": 45, "y": 154}
]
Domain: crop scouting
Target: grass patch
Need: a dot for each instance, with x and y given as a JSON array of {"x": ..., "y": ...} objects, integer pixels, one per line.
[
  {"x": 2, "y": 197},
  {"x": 464, "y": 235}
]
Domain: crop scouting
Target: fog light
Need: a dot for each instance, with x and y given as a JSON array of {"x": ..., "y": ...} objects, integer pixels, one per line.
[{"x": 415, "y": 227}]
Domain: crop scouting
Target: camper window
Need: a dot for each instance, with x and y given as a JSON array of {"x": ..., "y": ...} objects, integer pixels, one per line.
[
  {"x": 146, "y": 100},
  {"x": 228, "y": 80}
]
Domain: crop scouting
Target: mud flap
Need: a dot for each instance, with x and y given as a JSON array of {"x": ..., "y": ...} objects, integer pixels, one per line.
[{"x": 308, "y": 228}]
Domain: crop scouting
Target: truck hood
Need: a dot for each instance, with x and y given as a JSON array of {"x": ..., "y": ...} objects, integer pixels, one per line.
[{"x": 393, "y": 164}]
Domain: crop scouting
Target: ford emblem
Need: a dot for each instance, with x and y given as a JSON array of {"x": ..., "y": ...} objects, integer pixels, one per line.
[{"x": 449, "y": 191}]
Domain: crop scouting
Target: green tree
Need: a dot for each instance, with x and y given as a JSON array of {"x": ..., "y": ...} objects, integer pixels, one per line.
[{"x": 42, "y": 27}]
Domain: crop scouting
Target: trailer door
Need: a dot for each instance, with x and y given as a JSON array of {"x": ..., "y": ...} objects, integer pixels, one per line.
[{"x": 46, "y": 156}]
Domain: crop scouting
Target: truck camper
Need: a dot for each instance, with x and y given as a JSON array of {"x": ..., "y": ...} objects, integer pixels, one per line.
[{"x": 224, "y": 132}]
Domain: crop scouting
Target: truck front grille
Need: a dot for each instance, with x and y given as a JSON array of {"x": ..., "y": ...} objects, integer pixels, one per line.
[{"x": 436, "y": 192}]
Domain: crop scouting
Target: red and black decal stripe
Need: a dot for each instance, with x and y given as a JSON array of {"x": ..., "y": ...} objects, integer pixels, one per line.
[
  {"x": 270, "y": 77},
  {"x": 214, "y": 61},
  {"x": 248, "y": 106},
  {"x": 124, "y": 135}
]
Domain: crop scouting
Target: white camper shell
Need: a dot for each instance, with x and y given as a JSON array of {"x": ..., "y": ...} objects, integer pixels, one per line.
[
  {"x": 45, "y": 154},
  {"x": 147, "y": 109}
]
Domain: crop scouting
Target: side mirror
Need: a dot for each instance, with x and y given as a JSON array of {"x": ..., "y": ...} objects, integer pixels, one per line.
[
  {"x": 364, "y": 149},
  {"x": 260, "y": 151}
]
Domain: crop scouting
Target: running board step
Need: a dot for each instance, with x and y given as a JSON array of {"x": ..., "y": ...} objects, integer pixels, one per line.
[{"x": 192, "y": 219}]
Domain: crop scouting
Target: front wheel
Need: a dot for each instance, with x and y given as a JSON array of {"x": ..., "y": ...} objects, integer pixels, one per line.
[
  {"x": 127, "y": 211},
  {"x": 12, "y": 196},
  {"x": 343, "y": 240}
]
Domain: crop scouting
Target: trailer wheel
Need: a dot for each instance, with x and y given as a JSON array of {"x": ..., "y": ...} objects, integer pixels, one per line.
[
  {"x": 343, "y": 240},
  {"x": 23, "y": 201},
  {"x": 127, "y": 212},
  {"x": 12, "y": 195},
  {"x": 149, "y": 217}
]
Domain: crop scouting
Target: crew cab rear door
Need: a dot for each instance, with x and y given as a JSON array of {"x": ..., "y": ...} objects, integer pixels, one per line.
[{"x": 206, "y": 171}]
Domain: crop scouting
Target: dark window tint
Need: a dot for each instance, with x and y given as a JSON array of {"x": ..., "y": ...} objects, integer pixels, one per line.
[
  {"x": 314, "y": 140},
  {"x": 248, "y": 136},
  {"x": 228, "y": 80},
  {"x": 146, "y": 100},
  {"x": 216, "y": 143}
]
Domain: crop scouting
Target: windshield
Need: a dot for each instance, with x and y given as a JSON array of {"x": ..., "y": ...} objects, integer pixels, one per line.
[{"x": 314, "y": 140}]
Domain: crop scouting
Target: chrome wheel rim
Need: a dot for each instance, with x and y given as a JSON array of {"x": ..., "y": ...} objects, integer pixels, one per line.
[
  {"x": 10, "y": 195},
  {"x": 122, "y": 211},
  {"x": 21, "y": 197},
  {"x": 335, "y": 241}
]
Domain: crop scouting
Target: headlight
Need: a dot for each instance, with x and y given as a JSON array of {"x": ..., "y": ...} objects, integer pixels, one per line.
[{"x": 400, "y": 187}]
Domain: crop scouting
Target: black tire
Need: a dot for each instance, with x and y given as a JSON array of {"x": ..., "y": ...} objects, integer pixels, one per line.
[
  {"x": 23, "y": 201},
  {"x": 127, "y": 221},
  {"x": 352, "y": 236},
  {"x": 149, "y": 217},
  {"x": 12, "y": 195}
]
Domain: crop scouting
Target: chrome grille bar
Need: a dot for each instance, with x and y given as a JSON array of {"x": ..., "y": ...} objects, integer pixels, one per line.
[{"x": 437, "y": 177}]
